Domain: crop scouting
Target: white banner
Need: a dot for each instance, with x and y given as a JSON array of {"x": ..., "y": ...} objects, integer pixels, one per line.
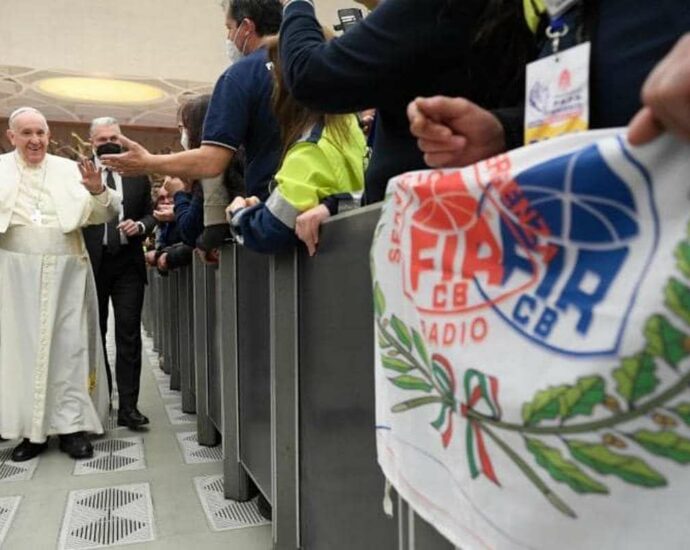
[{"x": 533, "y": 356}]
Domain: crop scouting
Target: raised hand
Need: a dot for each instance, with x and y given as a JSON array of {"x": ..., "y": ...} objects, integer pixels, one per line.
[
  {"x": 454, "y": 131},
  {"x": 91, "y": 176}
]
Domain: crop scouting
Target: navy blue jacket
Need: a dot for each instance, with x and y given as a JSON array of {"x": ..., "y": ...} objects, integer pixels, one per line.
[
  {"x": 189, "y": 215},
  {"x": 403, "y": 49}
]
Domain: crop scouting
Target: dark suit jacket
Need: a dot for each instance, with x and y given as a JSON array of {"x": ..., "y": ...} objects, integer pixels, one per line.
[{"x": 137, "y": 206}]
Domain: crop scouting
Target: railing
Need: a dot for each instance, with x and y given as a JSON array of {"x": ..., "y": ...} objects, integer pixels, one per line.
[{"x": 283, "y": 355}]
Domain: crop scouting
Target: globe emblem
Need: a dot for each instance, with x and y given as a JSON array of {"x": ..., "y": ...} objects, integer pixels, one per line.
[
  {"x": 583, "y": 202},
  {"x": 445, "y": 204}
]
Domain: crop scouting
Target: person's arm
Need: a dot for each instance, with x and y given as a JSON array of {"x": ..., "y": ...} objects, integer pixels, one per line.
[
  {"x": 189, "y": 216},
  {"x": 147, "y": 220},
  {"x": 179, "y": 255},
  {"x": 207, "y": 161},
  {"x": 365, "y": 67}
]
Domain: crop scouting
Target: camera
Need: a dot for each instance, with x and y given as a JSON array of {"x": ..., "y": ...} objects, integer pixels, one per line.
[{"x": 348, "y": 17}]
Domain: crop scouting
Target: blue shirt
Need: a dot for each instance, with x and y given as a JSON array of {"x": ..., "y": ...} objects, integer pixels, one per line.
[{"x": 240, "y": 113}]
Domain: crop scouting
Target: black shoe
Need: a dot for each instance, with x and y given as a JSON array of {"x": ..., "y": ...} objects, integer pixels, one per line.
[
  {"x": 264, "y": 507},
  {"x": 131, "y": 418},
  {"x": 76, "y": 445},
  {"x": 27, "y": 450}
]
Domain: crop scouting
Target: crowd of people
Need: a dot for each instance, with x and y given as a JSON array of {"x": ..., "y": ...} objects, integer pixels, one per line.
[{"x": 276, "y": 149}]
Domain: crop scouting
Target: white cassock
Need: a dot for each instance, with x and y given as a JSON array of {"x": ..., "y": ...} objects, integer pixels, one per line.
[{"x": 52, "y": 369}]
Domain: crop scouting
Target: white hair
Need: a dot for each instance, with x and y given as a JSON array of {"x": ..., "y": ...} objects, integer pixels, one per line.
[
  {"x": 102, "y": 121},
  {"x": 18, "y": 112}
]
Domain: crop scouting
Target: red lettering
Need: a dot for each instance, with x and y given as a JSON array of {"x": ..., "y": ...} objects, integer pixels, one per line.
[
  {"x": 479, "y": 329},
  {"x": 421, "y": 240},
  {"x": 439, "y": 297},
  {"x": 433, "y": 334},
  {"x": 460, "y": 295},
  {"x": 450, "y": 250},
  {"x": 449, "y": 334},
  {"x": 479, "y": 239},
  {"x": 394, "y": 255}
]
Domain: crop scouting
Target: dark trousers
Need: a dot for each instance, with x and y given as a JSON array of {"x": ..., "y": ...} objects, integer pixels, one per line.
[{"x": 119, "y": 278}]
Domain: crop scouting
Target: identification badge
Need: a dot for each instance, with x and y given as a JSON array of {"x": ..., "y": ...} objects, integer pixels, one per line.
[
  {"x": 37, "y": 217},
  {"x": 557, "y": 7},
  {"x": 557, "y": 94}
]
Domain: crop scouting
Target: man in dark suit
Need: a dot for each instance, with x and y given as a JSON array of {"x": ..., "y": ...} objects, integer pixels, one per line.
[{"x": 117, "y": 258}]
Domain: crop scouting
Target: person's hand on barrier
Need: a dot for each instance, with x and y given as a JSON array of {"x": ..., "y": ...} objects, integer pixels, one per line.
[
  {"x": 130, "y": 228},
  {"x": 454, "y": 131},
  {"x": 307, "y": 226},
  {"x": 150, "y": 258},
  {"x": 163, "y": 262},
  {"x": 133, "y": 161},
  {"x": 666, "y": 98},
  {"x": 91, "y": 177},
  {"x": 164, "y": 213},
  {"x": 210, "y": 257},
  {"x": 238, "y": 203}
]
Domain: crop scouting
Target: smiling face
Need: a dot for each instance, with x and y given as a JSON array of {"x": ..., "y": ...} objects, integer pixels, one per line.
[{"x": 29, "y": 134}]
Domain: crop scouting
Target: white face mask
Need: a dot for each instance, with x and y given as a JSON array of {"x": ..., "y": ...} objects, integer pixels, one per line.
[
  {"x": 184, "y": 139},
  {"x": 234, "y": 53}
]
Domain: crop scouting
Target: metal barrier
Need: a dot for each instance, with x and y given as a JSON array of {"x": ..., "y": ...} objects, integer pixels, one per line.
[
  {"x": 206, "y": 431},
  {"x": 185, "y": 333},
  {"x": 283, "y": 360}
]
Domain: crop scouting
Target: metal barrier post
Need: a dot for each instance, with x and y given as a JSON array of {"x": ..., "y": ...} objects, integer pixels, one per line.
[
  {"x": 174, "y": 310},
  {"x": 341, "y": 487},
  {"x": 237, "y": 482},
  {"x": 165, "y": 323},
  {"x": 284, "y": 401},
  {"x": 254, "y": 366},
  {"x": 206, "y": 432},
  {"x": 186, "y": 331}
]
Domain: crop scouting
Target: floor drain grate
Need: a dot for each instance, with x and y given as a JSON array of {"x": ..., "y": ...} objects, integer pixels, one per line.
[
  {"x": 96, "y": 518},
  {"x": 225, "y": 514},
  {"x": 16, "y": 471},
  {"x": 113, "y": 455},
  {"x": 8, "y": 507},
  {"x": 194, "y": 453},
  {"x": 177, "y": 416}
]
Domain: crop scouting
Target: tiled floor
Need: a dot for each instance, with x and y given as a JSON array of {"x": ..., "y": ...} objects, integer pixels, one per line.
[{"x": 155, "y": 489}]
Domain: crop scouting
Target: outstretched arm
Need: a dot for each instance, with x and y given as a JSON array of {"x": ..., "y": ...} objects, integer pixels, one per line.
[{"x": 207, "y": 161}]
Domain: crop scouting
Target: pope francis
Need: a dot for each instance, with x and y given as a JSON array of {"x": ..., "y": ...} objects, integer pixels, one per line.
[{"x": 52, "y": 370}]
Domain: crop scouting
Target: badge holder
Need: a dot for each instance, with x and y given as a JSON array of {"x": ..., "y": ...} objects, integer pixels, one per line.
[{"x": 557, "y": 89}]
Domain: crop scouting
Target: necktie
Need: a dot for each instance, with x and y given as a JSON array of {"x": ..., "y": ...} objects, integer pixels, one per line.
[{"x": 111, "y": 226}]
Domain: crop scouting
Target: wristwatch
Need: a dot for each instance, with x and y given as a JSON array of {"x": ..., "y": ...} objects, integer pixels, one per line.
[{"x": 142, "y": 228}]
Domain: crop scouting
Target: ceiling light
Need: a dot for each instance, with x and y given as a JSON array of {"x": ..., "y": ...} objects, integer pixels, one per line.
[{"x": 100, "y": 90}]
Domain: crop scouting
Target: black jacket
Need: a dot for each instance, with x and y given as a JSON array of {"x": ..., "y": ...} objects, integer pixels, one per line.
[
  {"x": 137, "y": 206},
  {"x": 402, "y": 50}
]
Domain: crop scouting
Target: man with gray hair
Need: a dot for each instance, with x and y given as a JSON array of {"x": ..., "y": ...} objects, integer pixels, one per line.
[
  {"x": 52, "y": 370},
  {"x": 117, "y": 258}
]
